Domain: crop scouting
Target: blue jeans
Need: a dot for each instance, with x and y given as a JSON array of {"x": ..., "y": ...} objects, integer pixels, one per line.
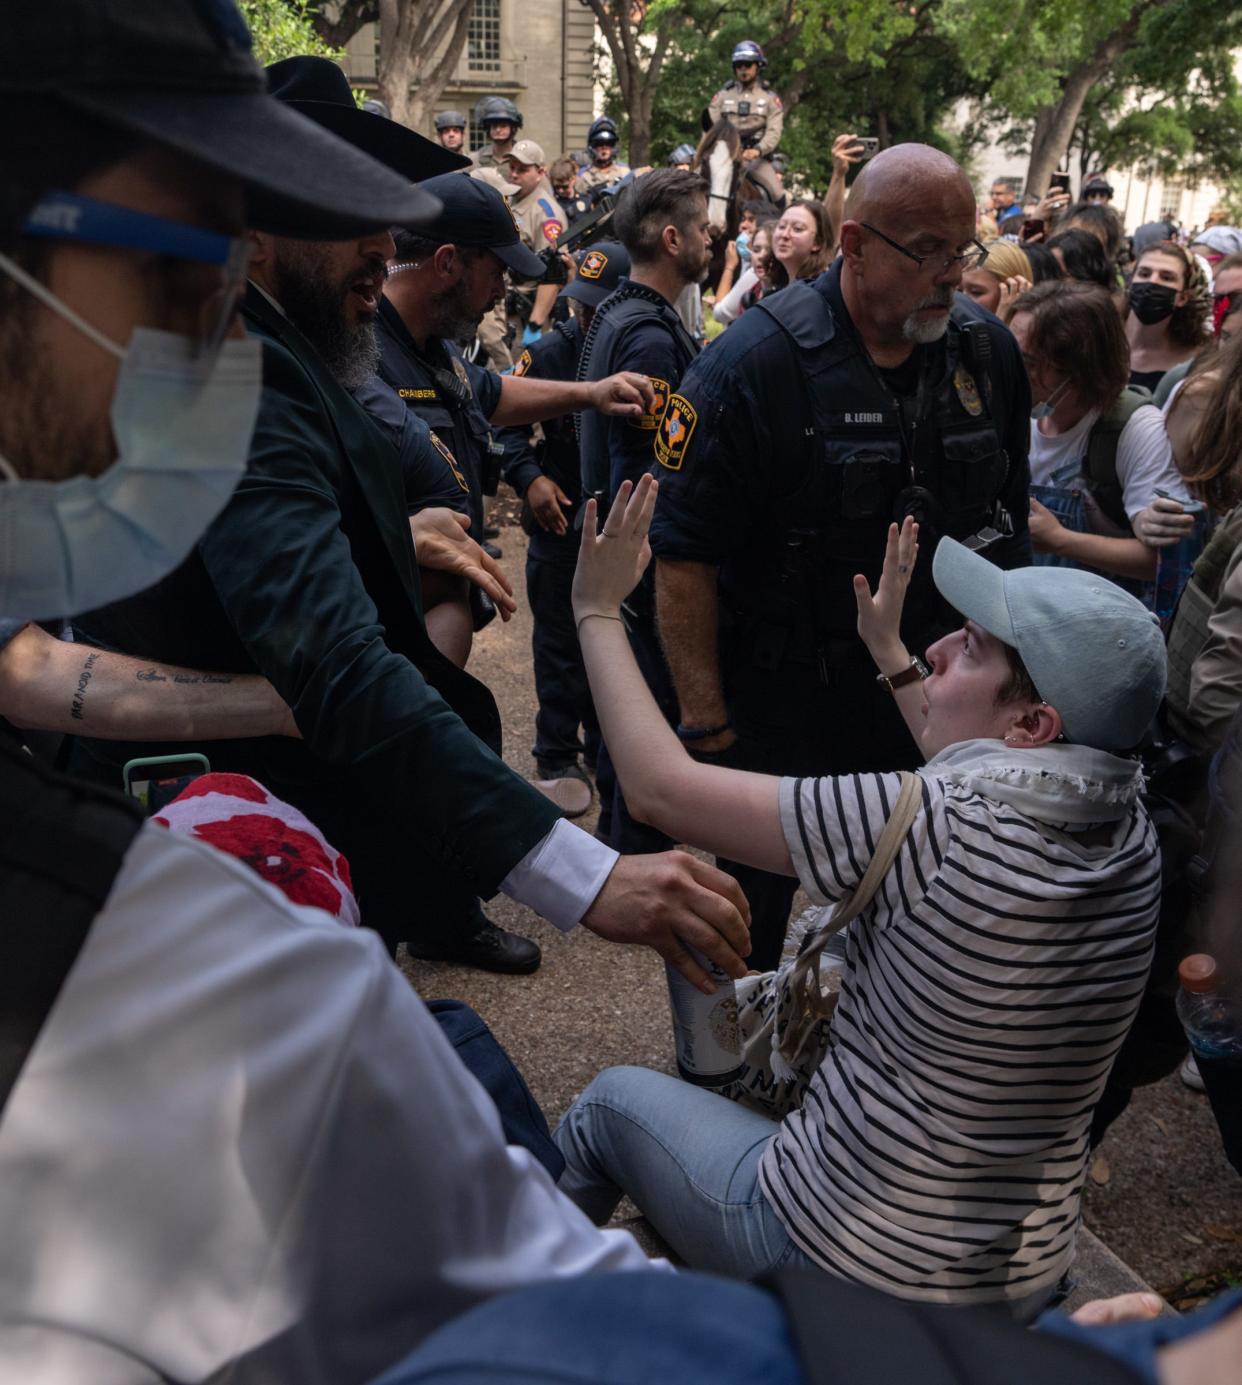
[{"x": 688, "y": 1158}]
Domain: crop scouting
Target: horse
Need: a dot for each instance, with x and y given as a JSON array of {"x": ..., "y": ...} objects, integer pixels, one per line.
[{"x": 718, "y": 159}]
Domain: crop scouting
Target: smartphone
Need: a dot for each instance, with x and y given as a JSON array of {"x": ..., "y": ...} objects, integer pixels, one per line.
[
  {"x": 870, "y": 147},
  {"x": 1189, "y": 507},
  {"x": 155, "y": 780},
  {"x": 1060, "y": 182},
  {"x": 1032, "y": 226}
]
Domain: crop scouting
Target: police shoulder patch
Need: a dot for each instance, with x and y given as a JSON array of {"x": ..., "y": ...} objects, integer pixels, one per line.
[
  {"x": 459, "y": 369},
  {"x": 438, "y": 443},
  {"x": 594, "y": 262},
  {"x": 523, "y": 364},
  {"x": 551, "y": 229},
  {"x": 651, "y": 421},
  {"x": 676, "y": 430}
]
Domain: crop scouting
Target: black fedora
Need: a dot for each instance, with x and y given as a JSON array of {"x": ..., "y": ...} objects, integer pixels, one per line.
[
  {"x": 318, "y": 89},
  {"x": 183, "y": 74}
]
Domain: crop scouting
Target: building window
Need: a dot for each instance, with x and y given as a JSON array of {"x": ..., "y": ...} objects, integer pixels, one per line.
[
  {"x": 483, "y": 37},
  {"x": 1171, "y": 200}
]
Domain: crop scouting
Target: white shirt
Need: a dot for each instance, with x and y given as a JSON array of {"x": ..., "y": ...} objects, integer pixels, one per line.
[
  {"x": 241, "y": 1138},
  {"x": 1144, "y": 457},
  {"x": 729, "y": 309}
]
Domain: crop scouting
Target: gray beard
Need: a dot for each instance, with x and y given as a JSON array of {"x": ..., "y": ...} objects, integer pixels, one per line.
[
  {"x": 356, "y": 356},
  {"x": 932, "y": 329}
]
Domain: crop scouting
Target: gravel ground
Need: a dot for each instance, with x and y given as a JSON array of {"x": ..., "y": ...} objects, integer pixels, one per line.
[{"x": 1171, "y": 1208}]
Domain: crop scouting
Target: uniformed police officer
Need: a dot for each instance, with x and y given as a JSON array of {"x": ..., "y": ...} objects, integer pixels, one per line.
[
  {"x": 546, "y": 474},
  {"x": 662, "y": 221},
  {"x": 750, "y": 105},
  {"x": 832, "y": 409},
  {"x": 451, "y": 129},
  {"x": 493, "y": 333},
  {"x": 603, "y": 170},
  {"x": 681, "y": 157},
  {"x": 500, "y": 120},
  {"x": 540, "y": 221}
]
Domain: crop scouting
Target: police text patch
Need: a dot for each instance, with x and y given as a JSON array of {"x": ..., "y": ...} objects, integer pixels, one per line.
[
  {"x": 676, "y": 430},
  {"x": 651, "y": 421},
  {"x": 524, "y": 363}
]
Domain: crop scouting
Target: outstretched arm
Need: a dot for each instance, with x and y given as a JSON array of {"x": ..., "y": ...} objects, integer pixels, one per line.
[
  {"x": 525, "y": 399},
  {"x": 730, "y": 812}
]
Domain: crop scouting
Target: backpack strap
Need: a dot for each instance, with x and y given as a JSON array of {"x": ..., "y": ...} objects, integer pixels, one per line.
[
  {"x": 61, "y": 845},
  {"x": 1101, "y": 459}
]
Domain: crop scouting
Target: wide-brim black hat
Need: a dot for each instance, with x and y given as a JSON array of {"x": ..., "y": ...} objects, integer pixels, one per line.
[
  {"x": 317, "y": 88},
  {"x": 182, "y": 74}
]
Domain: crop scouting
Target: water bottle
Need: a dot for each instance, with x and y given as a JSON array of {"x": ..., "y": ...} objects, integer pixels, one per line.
[
  {"x": 1212, "y": 1020},
  {"x": 705, "y": 1029}
]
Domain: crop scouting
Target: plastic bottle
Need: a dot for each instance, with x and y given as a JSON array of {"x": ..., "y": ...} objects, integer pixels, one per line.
[
  {"x": 1212, "y": 1020},
  {"x": 705, "y": 1030}
]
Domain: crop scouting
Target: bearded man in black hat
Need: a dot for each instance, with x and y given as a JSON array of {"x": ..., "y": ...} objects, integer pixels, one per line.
[{"x": 309, "y": 576}]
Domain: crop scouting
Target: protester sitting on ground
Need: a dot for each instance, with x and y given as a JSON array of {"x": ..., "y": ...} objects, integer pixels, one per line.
[
  {"x": 1081, "y": 256},
  {"x": 940, "y": 1150},
  {"x": 801, "y": 243},
  {"x": 1099, "y": 451},
  {"x": 1204, "y": 424},
  {"x": 234, "y": 1143},
  {"x": 1169, "y": 318},
  {"x": 1002, "y": 278},
  {"x": 749, "y": 287}
]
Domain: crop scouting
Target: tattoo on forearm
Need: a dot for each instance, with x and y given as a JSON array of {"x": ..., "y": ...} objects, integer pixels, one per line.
[
  {"x": 153, "y": 675},
  {"x": 76, "y": 707}
]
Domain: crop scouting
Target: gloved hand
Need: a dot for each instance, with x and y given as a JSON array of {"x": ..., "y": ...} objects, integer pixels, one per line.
[{"x": 530, "y": 334}]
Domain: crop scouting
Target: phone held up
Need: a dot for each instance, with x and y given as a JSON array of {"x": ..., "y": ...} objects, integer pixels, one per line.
[
  {"x": 870, "y": 147},
  {"x": 1060, "y": 181}
]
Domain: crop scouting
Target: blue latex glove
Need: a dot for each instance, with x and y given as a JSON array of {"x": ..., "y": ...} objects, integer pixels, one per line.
[{"x": 530, "y": 335}]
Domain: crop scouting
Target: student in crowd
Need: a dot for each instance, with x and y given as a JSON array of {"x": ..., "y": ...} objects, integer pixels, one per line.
[
  {"x": 801, "y": 243},
  {"x": 940, "y": 1150},
  {"x": 1080, "y": 255},
  {"x": 1169, "y": 318},
  {"x": 1044, "y": 264},
  {"x": 1102, "y": 222},
  {"x": 1099, "y": 451},
  {"x": 750, "y": 285},
  {"x": 1000, "y": 280}
]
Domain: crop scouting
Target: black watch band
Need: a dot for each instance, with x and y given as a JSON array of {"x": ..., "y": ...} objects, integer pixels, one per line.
[{"x": 700, "y": 733}]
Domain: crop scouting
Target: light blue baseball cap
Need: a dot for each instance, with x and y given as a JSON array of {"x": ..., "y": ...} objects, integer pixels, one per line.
[{"x": 1095, "y": 652}]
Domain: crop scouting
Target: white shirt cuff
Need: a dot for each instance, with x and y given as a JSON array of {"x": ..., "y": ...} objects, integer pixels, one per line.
[{"x": 560, "y": 876}]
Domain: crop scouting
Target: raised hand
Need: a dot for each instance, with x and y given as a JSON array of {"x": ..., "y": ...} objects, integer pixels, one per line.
[
  {"x": 879, "y": 612},
  {"x": 611, "y": 562}
]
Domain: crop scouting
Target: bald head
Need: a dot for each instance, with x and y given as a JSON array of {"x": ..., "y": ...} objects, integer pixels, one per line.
[{"x": 906, "y": 180}]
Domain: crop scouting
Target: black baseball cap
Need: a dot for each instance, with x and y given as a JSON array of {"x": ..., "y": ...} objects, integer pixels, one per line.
[
  {"x": 600, "y": 269},
  {"x": 473, "y": 213},
  {"x": 182, "y": 73}
]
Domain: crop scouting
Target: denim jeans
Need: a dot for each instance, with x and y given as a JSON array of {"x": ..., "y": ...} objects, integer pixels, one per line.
[{"x": 688, "y": 1158}]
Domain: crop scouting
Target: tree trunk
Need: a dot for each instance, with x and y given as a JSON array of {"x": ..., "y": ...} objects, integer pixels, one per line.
[
  {"x": 1054, "y": 125},
  {"x": 637, "y": 76},
  {"x": 421, "y": 43}
]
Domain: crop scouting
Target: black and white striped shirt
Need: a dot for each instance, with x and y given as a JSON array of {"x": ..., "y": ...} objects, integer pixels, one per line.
[{"x": 941, "y": 1148}]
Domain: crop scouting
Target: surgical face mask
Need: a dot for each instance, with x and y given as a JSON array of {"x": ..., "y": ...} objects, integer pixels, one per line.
[
  {"x": 743, "y": 247},
  {"x": 182, "y": 430},
  {"x": 1049, "y": 406},
  {"x": 1152, "y": 303}
]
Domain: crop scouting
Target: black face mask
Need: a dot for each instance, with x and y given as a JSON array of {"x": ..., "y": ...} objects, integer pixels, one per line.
[{"x": 1152, "y": 302}]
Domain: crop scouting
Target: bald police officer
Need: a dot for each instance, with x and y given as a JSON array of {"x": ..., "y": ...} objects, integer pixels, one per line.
[{"x": 754, "y": 110}]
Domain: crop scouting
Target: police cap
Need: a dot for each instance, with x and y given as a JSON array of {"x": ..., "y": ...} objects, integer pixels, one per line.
[{"x": 600, "y": 268}]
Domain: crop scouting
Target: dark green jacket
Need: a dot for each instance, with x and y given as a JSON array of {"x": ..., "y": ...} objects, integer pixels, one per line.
[{"x": 309, "y": 577}]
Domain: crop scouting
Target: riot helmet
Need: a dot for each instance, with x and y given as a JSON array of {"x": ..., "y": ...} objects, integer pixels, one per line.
[{"x": 748, "y": 51}]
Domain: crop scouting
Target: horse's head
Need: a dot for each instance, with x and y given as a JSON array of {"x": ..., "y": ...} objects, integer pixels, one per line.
[{"x": 717, "y": 158}]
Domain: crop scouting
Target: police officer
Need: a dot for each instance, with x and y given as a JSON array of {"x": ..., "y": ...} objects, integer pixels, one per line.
[
  {"x": 546, "y": 475},
  {"x": 751, "y": 106},
  {"x": 540, "y": 221},
  {"x": 834, "y": 408},
  {"x": 451, "y": 129},
  {"x": 681, "y": 157},
  {"x": 493, "y": 333},
  {"x": 563, "y": 174},
  {"x": 662, "y": 221},
  {"x": 603, "y": 170},
  {"x": 500, "y": 120}
]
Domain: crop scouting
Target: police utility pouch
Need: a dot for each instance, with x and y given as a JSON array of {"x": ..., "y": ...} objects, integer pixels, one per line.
[{"x": 784, "y": 1016}]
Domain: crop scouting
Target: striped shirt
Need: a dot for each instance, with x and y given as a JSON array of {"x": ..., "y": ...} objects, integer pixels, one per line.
[{"x": 940, "y": 1151}]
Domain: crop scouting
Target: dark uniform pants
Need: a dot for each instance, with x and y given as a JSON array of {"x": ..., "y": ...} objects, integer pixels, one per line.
[
  {"x": 564, "y": 695},
  {"x": 790, "y": 720}
]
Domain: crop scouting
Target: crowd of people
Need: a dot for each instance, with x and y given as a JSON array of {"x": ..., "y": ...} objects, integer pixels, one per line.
[{"x": 916, "y": 588}]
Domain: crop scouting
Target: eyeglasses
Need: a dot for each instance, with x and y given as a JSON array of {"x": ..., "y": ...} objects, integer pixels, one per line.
[
  {"x": 86, "y": 220},
  {"x": 969, "y": 259}
]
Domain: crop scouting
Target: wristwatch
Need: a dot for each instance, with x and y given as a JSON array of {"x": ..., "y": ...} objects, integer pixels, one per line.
[{"x": 917, "y": 669}]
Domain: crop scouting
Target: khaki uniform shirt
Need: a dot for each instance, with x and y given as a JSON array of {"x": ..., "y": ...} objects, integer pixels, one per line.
[
  {"x": 595, "y": 177},
  {"x": 754, "y": 111},
  {"x": 540, "y": 220},
  {"x": 484, "y": 158}
]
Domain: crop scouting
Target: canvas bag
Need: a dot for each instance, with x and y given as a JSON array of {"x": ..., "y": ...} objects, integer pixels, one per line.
[{"x": 784, "y": 1016}]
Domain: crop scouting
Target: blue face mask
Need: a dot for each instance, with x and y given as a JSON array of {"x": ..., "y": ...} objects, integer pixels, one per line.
[
  {"x": 743, "y": 247},
  {"x": 182, "y": 432},
  {"x": 1049, "y": 405}
]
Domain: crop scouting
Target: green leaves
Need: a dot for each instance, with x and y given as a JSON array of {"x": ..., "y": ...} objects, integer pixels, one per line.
[{"x": 284, "y": 29}]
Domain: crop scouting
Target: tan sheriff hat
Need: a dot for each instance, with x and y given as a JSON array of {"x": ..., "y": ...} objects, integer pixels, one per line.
[
  {"x": 526, "y": 151},
  {"x": 494, "y": 178}
]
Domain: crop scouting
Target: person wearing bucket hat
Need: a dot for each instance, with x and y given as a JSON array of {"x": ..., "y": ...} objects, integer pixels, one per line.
[
  {"x": 546, "y": 475},
  {"x": 272, "y": 1116},
  {"x": 1017, "y": 918}
]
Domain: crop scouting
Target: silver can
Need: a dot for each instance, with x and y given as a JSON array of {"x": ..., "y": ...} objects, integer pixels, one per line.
[{"x": 705, "y": 1030}]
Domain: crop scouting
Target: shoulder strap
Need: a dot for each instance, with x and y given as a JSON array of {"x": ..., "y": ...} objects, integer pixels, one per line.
[
  {"x": 61, "y": 845},
  {"x": 801, "y": 311},
  {"x": 1209, "y": 570},
  {"x": 1101, "y": 459}
]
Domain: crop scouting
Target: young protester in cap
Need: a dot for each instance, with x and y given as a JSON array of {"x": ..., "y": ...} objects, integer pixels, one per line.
[
  {"x": 227, "y": 1120},
  {"x": 940, "y": 1151},
  {"x": 311, "y": 558},
  {"x": 547, "y": 477}
]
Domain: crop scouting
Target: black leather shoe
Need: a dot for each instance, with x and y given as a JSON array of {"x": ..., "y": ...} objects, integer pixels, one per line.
[{"x": 491, "y": 949}]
